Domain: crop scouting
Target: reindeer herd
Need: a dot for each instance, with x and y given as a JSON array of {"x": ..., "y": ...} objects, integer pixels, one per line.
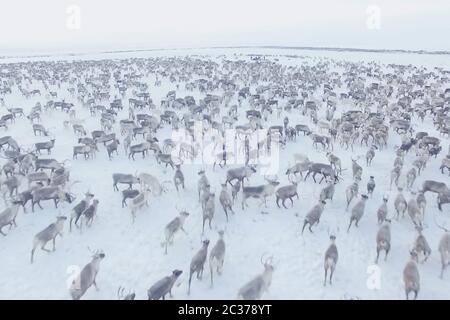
[{"x": 373, "y": 135}]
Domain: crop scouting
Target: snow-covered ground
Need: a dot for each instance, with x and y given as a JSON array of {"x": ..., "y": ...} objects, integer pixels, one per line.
[{"x": 135, "y": 258}]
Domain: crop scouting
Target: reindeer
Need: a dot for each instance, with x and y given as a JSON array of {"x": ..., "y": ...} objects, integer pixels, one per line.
[
  {"x": 323, "y": 169},
  {"x": 26, "y": 163},
  {"x": 335, "y": 162},
  {"x": 444, "y": 248},
  {"x": 86, "y": 150},
  {"x": 327, "y": 192},
  {"x": 8, "y": 216},
  {"x": 41, "y": 129},
  {"x": 127, "y": 143},
  {"x": 49, "y": 233},
  {"x": 400, "y": 204},
  {"x": 352, "y": 191},
  {"x": 89, "y": 213},
  {"x": 254, "y": 289},
  {"x": 421, "y": 202},
  {"x": 371, "y": 186},
  {"x": 235, "y": 190},
  {"x": 356, "y": 169},
  {"x": 165, "y": 158},
  {"x": 323, "y": 140},
  {"x": 78, "y": 129},
  {"x": 112, "y": 147},
  {"x": 370, "y": 155},
  {"x": 208, "y": 211},
  {"x": 178, "y": 178},
  {"x": 78, "y": 210},
  {"x": 225, "y": 200},
  {"x": 411, "y": 276},
  {"x": 414, "y": 211},
  {"x": 239, "y": 174},
  {"x": 421, "y": 245},
  {"x": 395, "y": 175},
  {"x": 56, "y": 194},
  {"x": 384, "y": 239},
  {"x": 48, "y": 145},
  {"x": 12, "y": 184},
  {"x": 217, "y": 256},
  {"x": 173, "y": 227},
  {"x": 420, "y": 164},
  {"x": 125, "y": 179},
  {"x": 299, "y": 167},
  {"x": 163, "y": 286},
  {"x": 202, "y": 184},
  {"x": 411, "y": 176},
  {"x": 198, "y": 263},
  {"x": 259, "y": 192},
  {"x": 139, "y": 148},
  {"x": 286, "y": 192},
  {"x": 313, "y": 216},
  {"x": 25, "y": 196},
  {"x": 357, "y": 211},
  {"x": 445, "y": 164},
  {"x": 121, "y": 296},
  {"x": 138, "y": 202},
  {"x": 331, "y": 259},
  {"x": 435, "y": 187},
  {"x": 382, "y": 211},
  {"x": 87, "y": 277}
]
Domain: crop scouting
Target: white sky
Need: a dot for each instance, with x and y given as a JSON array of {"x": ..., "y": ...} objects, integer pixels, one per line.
[{"x": 130, "y": 24}]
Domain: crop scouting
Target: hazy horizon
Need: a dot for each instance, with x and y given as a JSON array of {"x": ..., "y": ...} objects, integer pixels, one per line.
[{"x": 47, "y": 26}]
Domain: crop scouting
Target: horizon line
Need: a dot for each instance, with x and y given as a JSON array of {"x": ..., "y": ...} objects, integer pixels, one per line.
[{"x": 311, "y": 48}]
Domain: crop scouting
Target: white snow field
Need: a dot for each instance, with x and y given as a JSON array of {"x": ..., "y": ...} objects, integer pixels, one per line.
[{"x": 135, "y": 258}]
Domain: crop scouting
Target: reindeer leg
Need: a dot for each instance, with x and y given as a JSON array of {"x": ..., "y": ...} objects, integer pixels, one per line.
[
  {"x": 95, "y": 285},
  {"x": 351, "y": 221},
  {"x": 304, "y": 225},
  {"x": 43, "y": 247},
  {"x": 189, "y": 285}
]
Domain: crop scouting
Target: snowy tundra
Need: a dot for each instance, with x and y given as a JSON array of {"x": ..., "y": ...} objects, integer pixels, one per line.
[{"x": 221, "y": 158}]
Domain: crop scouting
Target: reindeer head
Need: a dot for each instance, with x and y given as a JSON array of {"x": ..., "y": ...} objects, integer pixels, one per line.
[
  {"x": 205, "y": 243},
  {"x": 177, "y": 273},
  {"x": 414, "y": 255},
  {"x": 274, "y": 182},
  {"x": 61, "y": 218},
  {"x": 267, "y": 263},
  {"x": 97, "y": 254}
]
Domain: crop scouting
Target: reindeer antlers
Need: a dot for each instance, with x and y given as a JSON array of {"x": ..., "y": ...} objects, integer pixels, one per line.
[
  {"x": 275, "y": 179},
  {"x": 96, "y": 252},
  {"x": 269, "y": 260}
]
